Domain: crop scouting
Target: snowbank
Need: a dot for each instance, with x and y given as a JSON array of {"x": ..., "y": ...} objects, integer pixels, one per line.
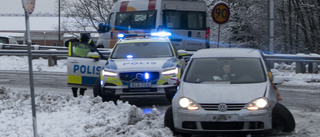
[{"x": 65, "y": 116}]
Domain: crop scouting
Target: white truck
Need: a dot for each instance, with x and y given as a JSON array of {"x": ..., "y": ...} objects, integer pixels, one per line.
[{"x": 186, "y": 20}]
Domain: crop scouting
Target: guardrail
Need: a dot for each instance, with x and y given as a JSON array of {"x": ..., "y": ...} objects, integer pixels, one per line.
[
  {"x": 53, "y": 52},
  {"x": 33, "y": 47}
]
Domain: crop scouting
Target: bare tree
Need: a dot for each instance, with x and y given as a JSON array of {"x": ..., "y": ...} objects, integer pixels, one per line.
[{"x": 84, "y": 14}]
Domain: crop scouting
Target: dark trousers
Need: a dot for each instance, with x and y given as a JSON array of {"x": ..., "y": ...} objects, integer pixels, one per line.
[{"x": 75, "y": 91}]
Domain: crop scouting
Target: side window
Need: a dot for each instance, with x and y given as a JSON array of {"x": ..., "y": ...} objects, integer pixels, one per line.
[
  {"x": 195, "y": 20},
  {"x": 184, "y": 20},
  {"x": 172, "y": 19},
  {"x": 110, "y": 20},
  {"x": 13, "y": 41}
]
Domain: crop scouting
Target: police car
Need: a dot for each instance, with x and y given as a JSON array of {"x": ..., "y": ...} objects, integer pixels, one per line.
[{"x": 137, "y": 66}]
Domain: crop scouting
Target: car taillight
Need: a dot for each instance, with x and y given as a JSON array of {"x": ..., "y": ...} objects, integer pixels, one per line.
[
  {"x": 207, "y": 33},
  {"x": 207, "y": 37}
]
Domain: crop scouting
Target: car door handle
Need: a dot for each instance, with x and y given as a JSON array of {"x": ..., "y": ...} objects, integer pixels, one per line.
[{"x": 74, "y": 61}]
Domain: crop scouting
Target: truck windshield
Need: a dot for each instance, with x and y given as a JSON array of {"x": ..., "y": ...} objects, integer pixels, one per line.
[
  {"x": 193, "y": 20},
  {"x": 233, "y": 70},
  {"x": 136, "y": 20},
  {"x": 142, "y": 50}
]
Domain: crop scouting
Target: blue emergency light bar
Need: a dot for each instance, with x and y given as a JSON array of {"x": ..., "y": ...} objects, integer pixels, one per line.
[
  {"x": 156, "y": 34},
  {"x": 161, "y": 34}
]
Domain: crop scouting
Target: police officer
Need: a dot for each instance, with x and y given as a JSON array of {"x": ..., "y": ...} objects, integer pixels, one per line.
[{"x": 83, "y": 47}]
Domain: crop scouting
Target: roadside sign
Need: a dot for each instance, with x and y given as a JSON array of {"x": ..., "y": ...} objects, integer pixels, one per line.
[
  {"x": 220, "y": 13},
  {"x": 28, "y": 5}
]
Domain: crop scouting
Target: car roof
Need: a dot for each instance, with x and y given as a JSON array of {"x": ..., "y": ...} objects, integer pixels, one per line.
[
  {"x": 227, "y": 52},
  {"x": 143, "y": 39}
]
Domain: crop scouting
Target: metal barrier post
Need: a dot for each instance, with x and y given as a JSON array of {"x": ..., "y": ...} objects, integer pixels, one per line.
[{"x": 52, "y": 60}]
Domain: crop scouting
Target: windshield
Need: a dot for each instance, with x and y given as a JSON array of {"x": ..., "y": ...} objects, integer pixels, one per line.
[
  {"x": 142, "y": 50},
  {"x": 232, "y": 70},
  {"x": 136, "y": 20}
]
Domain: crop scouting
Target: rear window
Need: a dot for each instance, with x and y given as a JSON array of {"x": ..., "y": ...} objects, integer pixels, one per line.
[
  {"x": 233, "y": 70},
  {"x": 136, "y": 20},
  {"x": 184, "y": 20},
  {"x": 4, "y": 40}
]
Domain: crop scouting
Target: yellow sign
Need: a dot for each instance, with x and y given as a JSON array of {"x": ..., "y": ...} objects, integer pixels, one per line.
[{"x": 220, "y": 13}]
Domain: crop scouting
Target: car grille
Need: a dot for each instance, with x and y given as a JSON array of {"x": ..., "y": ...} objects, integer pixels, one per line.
[
  {"x": 230, "y": 107},
  {"x": 222, "y": 125},
  {"x": 132, "y": 76},
  {"x": 231, "y": 125}
]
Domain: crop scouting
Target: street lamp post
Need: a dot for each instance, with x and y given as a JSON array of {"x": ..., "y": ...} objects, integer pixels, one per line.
[{"x": 59, "y": 25}]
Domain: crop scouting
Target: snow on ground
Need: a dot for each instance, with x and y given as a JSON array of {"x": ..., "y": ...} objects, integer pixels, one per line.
[{"x": 65, "y": 116}]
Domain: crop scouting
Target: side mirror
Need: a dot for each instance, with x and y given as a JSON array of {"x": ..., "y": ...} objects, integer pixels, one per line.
[
  {"x": 278, "y": 80},
  {"x": 174, "y": 81},
  {"x": 182, "y": 52},
  {"x": 94, "y": 55},
  {"x": 103, "y": 28}
]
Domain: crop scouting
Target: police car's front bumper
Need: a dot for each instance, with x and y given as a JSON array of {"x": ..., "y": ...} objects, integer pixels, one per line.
[{"x": 154, "y": 90}]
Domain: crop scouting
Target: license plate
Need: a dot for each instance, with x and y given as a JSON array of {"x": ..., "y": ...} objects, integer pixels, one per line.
[
  {"x": 140, "y": 85},
  {"x": 229, "y": 117}
]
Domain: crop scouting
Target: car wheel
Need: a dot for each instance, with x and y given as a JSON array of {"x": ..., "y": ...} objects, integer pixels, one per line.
[
  {"x": 168, "y": 122},
  {"x": 282, "y": 119},
  {"x": 168, "y": 119},
  {"x": 170, "y": 93},
  {"x": 97, "y": 88}
]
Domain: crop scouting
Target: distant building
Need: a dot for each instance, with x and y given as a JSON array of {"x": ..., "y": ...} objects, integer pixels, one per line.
[{"x": 43, "y": 29}]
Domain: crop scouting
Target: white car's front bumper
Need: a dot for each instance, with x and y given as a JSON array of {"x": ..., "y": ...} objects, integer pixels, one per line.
[{"x": 201, "y": 120}]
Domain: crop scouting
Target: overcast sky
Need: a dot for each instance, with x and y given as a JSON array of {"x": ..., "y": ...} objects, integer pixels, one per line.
[{"x": 15, "y": 6}]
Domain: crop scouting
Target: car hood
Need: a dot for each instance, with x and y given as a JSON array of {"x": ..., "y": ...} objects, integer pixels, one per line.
[
  {"x": 223, "y": 93},
  {"x": 141, "y": 64}
]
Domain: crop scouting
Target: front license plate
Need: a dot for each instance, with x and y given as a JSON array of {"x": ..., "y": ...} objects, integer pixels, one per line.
[
  {"x": 224, "y": 117},
  {"x": 140, "y": 85}
]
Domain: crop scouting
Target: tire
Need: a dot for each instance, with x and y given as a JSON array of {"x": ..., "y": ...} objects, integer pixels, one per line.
[
  {"x": 168, "y": 122},
  {"x": 282, "y": 119},
  {"x": 97, "y": 88},
  {"x": 170, "y": 95},
  {"x": 168, "y": 119}
]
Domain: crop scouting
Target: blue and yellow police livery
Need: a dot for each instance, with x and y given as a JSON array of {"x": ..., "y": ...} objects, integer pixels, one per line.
[
  {"x": 83, "y": 70},
  {"x": 140, "y": 66}
]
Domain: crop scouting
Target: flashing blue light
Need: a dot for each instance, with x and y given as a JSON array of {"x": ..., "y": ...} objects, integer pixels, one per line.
[
  {"x": 146, "y": 76},
  {"x": 147, "y": 110},
  {"x": 161, "y": 34},
  {"x": 129, "y": 56},
  {"x": 120, "y": 35}
]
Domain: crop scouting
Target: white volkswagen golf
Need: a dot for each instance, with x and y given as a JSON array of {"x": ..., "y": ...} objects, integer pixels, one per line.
[{"x": 227, "y": 90}]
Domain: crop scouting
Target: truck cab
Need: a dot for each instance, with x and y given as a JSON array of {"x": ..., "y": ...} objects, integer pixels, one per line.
[{"x": 186, "y": 20}]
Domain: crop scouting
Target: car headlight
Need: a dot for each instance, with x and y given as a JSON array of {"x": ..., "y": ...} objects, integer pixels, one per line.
[
  {"x": 108, "y": 73},
  {"x": 188, "y": 104},
  {"x": 174, "y": 71},
  {"x": 260, "y": 103}
]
